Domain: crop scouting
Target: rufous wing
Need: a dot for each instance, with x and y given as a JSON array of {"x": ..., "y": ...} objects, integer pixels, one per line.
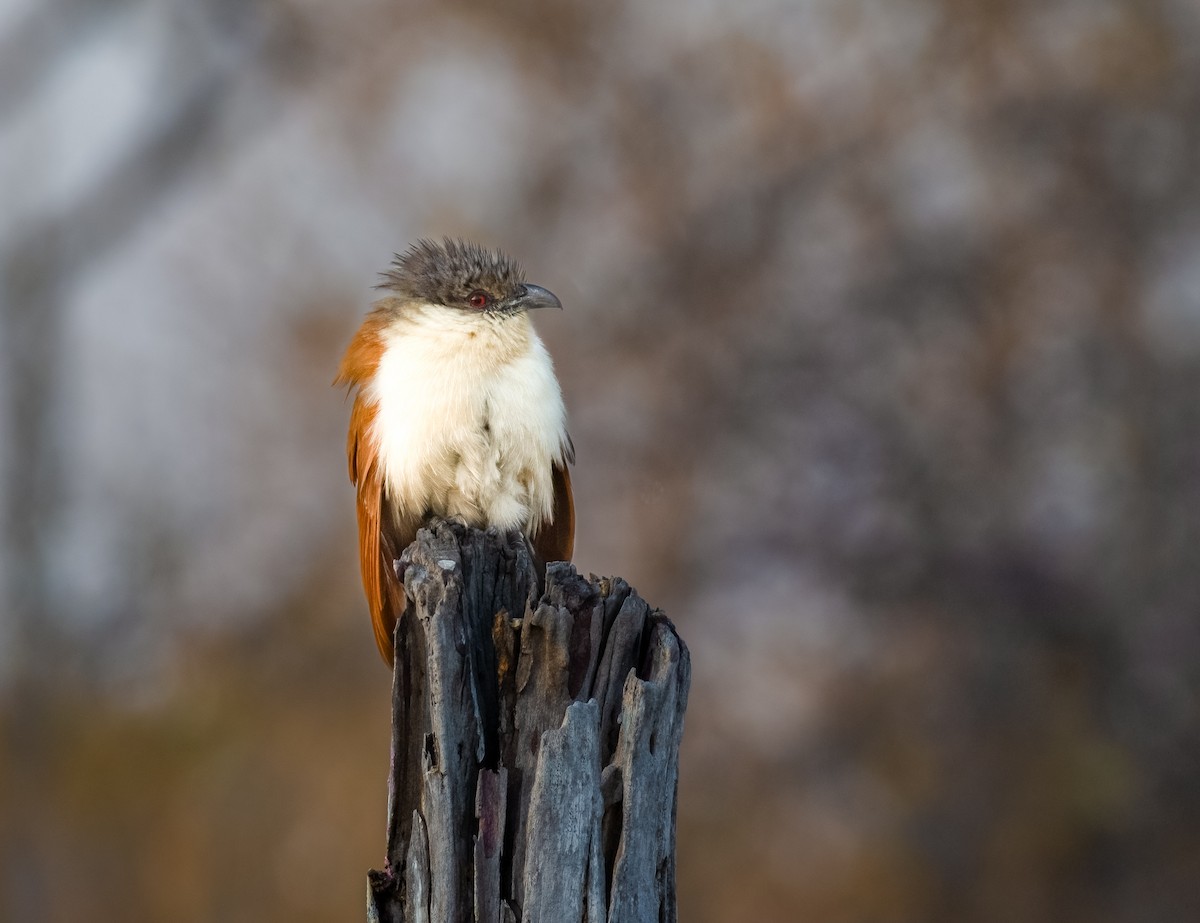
[
  {"x": 555, "y": 540},
  {"x": 382, "y": 536}
]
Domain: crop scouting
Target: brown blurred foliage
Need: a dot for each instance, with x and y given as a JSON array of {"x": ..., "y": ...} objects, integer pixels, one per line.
[{"x": 882, "y": 354}]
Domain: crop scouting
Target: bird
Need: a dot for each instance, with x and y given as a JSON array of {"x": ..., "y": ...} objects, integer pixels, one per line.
[{"x": 457, "y": 414}]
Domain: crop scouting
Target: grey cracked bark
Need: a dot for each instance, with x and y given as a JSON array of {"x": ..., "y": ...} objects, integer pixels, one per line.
[{"x": 535, "y": 742}]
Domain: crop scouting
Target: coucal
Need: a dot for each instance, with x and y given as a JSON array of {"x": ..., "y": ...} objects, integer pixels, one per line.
[{"x": 457, "y": 414}]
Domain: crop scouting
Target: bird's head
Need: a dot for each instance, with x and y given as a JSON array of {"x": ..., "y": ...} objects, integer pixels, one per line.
[{"x": 458, "y": 276}]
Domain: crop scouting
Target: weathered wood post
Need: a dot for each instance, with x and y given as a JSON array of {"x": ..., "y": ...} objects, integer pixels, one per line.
[{"x": 535, "y": 743}]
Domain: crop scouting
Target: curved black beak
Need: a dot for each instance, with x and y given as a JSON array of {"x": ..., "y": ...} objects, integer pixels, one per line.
[{"x": 533, "y": 296}]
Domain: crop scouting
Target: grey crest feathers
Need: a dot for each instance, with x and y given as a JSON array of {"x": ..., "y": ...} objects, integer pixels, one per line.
[{"x": 447, "y": 273}]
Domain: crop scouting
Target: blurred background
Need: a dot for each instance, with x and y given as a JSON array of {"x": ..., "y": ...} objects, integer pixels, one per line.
[{"x": 882, "y": 357}]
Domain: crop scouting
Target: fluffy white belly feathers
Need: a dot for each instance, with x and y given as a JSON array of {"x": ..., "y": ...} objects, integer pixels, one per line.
[{"x": 468, "y": 426}]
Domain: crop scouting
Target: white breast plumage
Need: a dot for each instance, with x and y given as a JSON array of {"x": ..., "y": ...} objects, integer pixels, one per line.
[{"x": 470, "y": 420}]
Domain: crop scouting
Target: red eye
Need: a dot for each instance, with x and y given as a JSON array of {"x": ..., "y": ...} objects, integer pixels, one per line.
[{"x": 479, "y": 299}]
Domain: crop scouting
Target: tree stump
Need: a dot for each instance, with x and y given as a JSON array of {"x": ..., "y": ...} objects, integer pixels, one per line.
[{"x": 535, "y": 742}]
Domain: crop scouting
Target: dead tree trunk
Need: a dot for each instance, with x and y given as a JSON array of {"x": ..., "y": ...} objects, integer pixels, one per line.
[{"x": 535, "y": 743}]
